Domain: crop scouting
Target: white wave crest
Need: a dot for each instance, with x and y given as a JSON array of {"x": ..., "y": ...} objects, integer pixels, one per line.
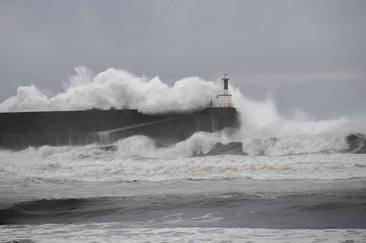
[
  {"x": 121, "y": 89},
  {"x": 115, "y": 88},
  {"x": 264, "y": 131},
  {"x": 138, "y": 158}
]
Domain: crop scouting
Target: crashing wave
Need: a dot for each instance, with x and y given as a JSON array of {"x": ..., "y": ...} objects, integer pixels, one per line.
[
  {"x": 115, "y": 88},
  {"x": 352, "y": 143},
  {"x": 138, "y": 158}
]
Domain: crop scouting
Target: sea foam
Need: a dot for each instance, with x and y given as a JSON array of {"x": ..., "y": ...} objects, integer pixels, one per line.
[{"x": 264, "y": 131}]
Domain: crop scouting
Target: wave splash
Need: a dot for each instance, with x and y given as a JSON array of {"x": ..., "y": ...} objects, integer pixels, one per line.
[
  {"x": 264, "y": 131},
  {"x": 139, "y": 159},
  {"x": 115, "y": 88}
]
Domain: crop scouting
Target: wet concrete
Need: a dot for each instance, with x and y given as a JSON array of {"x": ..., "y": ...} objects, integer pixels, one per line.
[{"x": 23, "y": 129}]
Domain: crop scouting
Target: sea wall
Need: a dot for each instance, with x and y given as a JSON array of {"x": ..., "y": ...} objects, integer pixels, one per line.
[{"x": 22, "y": 129}]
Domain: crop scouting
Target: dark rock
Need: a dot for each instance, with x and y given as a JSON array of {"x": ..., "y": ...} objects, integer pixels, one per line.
[
  {"x": 234, "y": 148},
  {"x": 356, "y": 143},
  {"x": 111, "y": 148}
]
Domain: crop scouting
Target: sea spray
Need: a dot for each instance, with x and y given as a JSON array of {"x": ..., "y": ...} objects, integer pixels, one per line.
[
  {"x": 94, "y": 164},
  {"x": 263, "y": 131},
  {"x": 115, "y": 88}
]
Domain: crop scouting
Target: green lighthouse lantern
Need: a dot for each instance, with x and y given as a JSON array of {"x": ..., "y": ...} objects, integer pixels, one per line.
[{"x": 226, "y": 83}]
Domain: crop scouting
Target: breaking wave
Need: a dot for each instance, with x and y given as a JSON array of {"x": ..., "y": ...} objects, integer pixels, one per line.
[
  {"x": 115, "y": 88},
  {"x": 319, "y": 145},
  {"x": 138, "y": 158},
  {"x": 118, "y": 89}
]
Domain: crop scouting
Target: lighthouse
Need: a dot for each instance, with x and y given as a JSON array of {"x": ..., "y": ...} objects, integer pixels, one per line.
[
  {"x": 224, "y": 100},
  {"x": 226, "y": 84}
]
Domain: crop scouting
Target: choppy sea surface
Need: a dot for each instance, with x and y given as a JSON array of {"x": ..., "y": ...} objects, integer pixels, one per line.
[{"x": 134, "y": 191}]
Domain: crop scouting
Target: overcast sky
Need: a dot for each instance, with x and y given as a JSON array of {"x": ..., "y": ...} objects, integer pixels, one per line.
[{"x": 308, "y": 55}]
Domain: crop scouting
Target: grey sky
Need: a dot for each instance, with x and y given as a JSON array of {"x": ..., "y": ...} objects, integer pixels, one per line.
[{"x": 308, "y": 55}]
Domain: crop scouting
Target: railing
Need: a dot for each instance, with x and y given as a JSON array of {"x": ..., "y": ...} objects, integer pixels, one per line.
[{"x": 218, "y": 105}]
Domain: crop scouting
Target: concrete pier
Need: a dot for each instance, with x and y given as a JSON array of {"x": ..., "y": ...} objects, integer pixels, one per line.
[{"x": 20, "y": 130}]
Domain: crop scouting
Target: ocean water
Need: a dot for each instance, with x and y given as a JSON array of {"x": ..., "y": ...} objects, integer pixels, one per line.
[
  {"x": 295, "y": 178},
  {"x": 135, "y": 191}
]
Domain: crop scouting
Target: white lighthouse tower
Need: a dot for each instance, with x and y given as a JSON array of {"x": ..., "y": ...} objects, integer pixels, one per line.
[{"x": 224, "y": 100}]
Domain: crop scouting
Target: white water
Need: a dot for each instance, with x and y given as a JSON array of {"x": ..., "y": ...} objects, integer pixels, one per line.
[
  {"x": 112, "y": 232},
  {"x": 120, "y": 89},
  {"x": 137, "y": 157}
]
